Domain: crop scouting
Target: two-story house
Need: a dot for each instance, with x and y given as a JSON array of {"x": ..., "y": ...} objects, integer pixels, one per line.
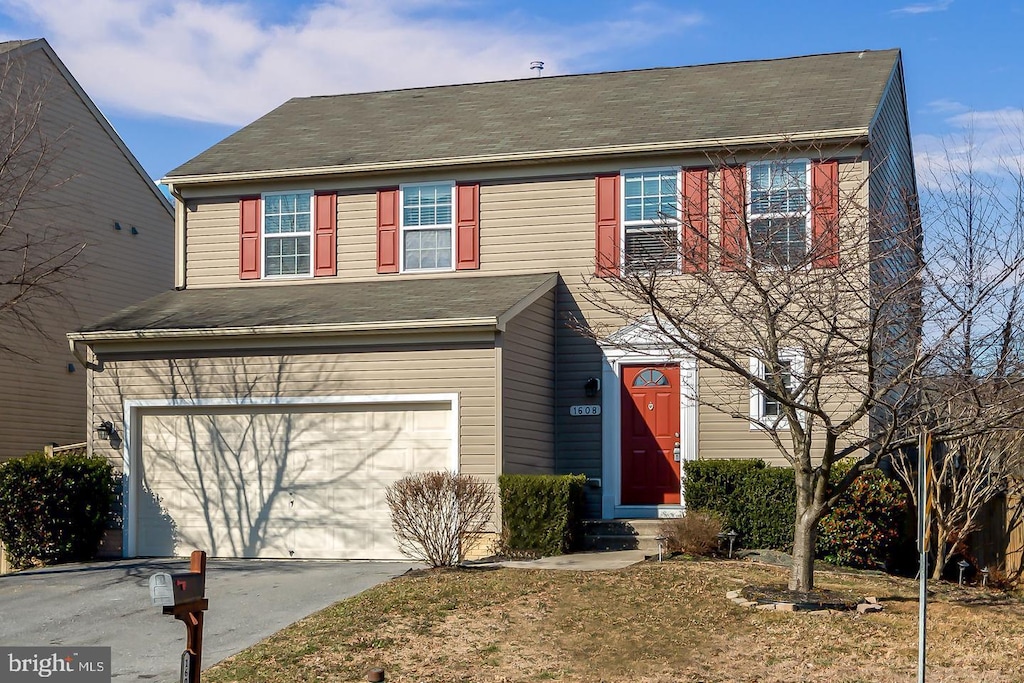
[
  {"x": 84, "y": 232},
  {"x": 376, "y": 284}
]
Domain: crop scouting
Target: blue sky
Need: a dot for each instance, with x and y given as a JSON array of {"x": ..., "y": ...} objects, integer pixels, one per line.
[{"x": 175, "y": 76}]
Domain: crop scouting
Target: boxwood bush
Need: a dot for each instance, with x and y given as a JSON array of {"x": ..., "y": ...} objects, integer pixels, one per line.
[
  {"x": 54, "y": 509},
  {"x": 759, "y": 503},
  {"x": 541, "y": 514}
]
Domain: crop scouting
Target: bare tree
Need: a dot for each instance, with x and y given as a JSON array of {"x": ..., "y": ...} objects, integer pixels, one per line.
[
  {"x": 36, "y": 257},
  {"x": 974, "y": 211},
  {"x": 805, "y": 309}
]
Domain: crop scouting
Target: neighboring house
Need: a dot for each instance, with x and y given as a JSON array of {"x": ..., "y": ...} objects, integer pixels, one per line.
[
  {"x": 376, "y": 284},
  {"x": 93, "y": 198}
]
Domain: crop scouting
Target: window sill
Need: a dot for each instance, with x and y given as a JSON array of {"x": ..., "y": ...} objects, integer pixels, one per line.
[{"x": 271, "y": 278}]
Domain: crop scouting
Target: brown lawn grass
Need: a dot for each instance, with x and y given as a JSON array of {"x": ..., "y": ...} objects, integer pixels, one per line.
[{"x": 650, "y": 622}]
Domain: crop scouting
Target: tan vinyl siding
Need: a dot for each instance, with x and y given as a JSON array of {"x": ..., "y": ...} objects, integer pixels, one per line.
[
  {"x": 211, "y": 242},
  {"x": 40, "y": 400},
  {"x": 543, "y": 224},
  {"x": 470, "y": 372},
  {"x": 528, "y": 390}
]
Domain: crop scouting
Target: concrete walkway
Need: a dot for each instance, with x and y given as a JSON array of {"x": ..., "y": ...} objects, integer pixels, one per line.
[{"x": 581, "y": 562}]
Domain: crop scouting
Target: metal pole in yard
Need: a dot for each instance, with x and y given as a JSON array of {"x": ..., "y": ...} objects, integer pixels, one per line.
[{"x": 922, "y": 547}]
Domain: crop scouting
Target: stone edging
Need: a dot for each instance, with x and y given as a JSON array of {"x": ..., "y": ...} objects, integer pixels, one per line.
[{"x": 867, "y": 606}]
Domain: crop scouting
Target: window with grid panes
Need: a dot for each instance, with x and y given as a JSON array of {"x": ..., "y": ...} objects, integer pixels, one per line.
[
  {"x": 427, "y": 221},
  {"x": 651, "y": 219}
]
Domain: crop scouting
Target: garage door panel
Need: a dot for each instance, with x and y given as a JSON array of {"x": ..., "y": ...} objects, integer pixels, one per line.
[{"x": 266, "y": 482}]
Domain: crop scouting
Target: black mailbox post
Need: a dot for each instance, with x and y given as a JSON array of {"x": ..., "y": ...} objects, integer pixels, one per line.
[{"x": 183, "y": 597}]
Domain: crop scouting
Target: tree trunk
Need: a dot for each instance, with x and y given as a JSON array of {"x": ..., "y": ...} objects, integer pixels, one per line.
[
  {"x": 941, "y": 558},
  {"x": 805, "y": 534}
]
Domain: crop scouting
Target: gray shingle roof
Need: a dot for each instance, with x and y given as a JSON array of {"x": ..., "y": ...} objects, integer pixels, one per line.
[
  {"x": 341, "y": 303},
  {"x": 558, "y": 113}
]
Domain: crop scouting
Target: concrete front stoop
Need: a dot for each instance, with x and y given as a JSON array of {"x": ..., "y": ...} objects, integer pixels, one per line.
[{"x": 621, "y": 534}]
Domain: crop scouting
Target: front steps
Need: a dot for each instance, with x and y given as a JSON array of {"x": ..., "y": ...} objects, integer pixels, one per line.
[{"x": 621, "y": 534}]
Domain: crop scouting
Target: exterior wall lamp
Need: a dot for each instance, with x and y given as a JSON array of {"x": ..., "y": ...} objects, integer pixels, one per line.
[
  {"x": 592, "y": 387},
  {"x": 104, "y": 430}
]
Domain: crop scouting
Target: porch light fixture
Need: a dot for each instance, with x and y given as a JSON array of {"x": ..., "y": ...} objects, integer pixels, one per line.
[
  {"x": 104, "y": 430},
  {"x": 591, "y": 387}
]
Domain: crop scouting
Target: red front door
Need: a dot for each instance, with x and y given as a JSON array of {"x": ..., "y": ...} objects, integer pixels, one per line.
[{"x": 650, "y": 434}]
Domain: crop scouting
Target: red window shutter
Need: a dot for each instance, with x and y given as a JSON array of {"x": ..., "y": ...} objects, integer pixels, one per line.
[
  {"x": 734, "y": 204},
  {"x": 695, "y": 220},
  {"x": 249, "y": 238},
  {"x": 387, "y": 231},
  {"x": 467, "y": 227},
  {"x": 825, "y": 214},
  {"x": 607, "y": 211},
  {"x": 325, "y": 235}
]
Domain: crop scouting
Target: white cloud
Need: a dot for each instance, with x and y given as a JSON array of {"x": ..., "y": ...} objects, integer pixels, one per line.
[
  {"x": 923, "y": 8},
  {"x": 982, "y": 141},
  {"x": 947, "y": 106},
  {"x": 230, "y": 62}
]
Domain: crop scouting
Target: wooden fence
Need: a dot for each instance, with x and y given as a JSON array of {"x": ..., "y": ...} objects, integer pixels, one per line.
[{"x": 1000, "y": 542}]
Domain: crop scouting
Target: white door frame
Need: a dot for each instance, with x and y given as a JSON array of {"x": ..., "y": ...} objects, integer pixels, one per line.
[
  {"x": 639, "y": 344},
  {"x": 135, "y": 409}
]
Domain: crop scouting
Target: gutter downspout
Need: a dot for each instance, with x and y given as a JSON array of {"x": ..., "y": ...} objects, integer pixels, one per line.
[{"x": 179, "y": 237}]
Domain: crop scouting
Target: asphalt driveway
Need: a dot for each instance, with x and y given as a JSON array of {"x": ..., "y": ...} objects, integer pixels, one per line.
[{"x": 108, "y": 604}]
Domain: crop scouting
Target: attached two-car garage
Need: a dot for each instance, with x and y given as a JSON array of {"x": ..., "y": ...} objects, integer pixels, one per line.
[{"x": 279, "y": 479}]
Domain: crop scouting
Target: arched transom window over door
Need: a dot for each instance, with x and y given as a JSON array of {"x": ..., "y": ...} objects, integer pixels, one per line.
[{"x": 650, "y": 378}]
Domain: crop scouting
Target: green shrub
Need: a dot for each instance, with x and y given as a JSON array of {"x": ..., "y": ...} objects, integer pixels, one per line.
[
  {"x": 756, "y": 501},
  {"x": 866, "y": 527},
  {"x": 767, "y": 509},
  {"x": 541, "y": 514},
  {"x": 864, "y": 530},
  {"x": 54, "y": 509}
]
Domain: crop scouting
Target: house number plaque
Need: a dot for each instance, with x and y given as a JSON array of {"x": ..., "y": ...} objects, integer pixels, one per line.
[{"x": 578, "y": 411}]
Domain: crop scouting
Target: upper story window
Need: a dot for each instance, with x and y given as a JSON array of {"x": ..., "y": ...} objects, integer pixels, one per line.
[
  {"x": 779, "y": 212},
  {"x": 287, "y": 234},
  {"x": 650, "y": 211},
  {"x": 428, "y": 219},
  {"x": 765, "y": 409}
]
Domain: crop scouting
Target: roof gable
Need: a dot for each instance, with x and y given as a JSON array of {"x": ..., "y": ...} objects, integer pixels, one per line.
[
  {"x": 559, "y": 115},
  {"x": 13, "y": 49}
]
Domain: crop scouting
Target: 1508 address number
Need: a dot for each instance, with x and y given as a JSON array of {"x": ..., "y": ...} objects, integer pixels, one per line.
[{"x": 579, "y": 411}]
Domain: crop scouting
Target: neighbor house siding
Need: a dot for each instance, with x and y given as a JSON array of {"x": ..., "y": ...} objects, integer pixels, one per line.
[
  {"x": 528, "y": 390},
  {"x": 94, "y": 185},
  {"x": 469, "y": 371}
]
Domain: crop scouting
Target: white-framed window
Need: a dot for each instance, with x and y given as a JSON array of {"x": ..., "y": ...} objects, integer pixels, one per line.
[
  {"x": 779, "y": 216},
  {"x": 287, "y": 233},
  {"x": 650, "y": 219},
  {"x": 766, "y": 411},
  {"x": 428, "y": 220}
]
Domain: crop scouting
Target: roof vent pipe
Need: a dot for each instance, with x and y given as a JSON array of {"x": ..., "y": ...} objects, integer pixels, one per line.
[{"x": 538, "y": 65}]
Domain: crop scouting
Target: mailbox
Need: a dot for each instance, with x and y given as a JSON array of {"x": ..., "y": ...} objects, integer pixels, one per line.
[{"x": 171, "y": 590}]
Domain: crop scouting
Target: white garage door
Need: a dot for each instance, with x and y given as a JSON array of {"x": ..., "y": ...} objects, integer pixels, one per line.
[{"x": 273, "y": 482}]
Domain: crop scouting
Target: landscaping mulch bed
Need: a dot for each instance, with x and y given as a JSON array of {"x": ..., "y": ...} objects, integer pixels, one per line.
[{"x": 813, "y": 600}]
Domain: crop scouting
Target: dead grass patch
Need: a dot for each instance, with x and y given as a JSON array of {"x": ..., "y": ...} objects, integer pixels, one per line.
[{"x": 651, "y": 622}]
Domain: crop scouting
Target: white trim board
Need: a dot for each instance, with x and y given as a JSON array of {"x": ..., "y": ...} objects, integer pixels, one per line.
[
  {"x": 134, "y": 409},
  {"x": 611, "y": 423}
]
